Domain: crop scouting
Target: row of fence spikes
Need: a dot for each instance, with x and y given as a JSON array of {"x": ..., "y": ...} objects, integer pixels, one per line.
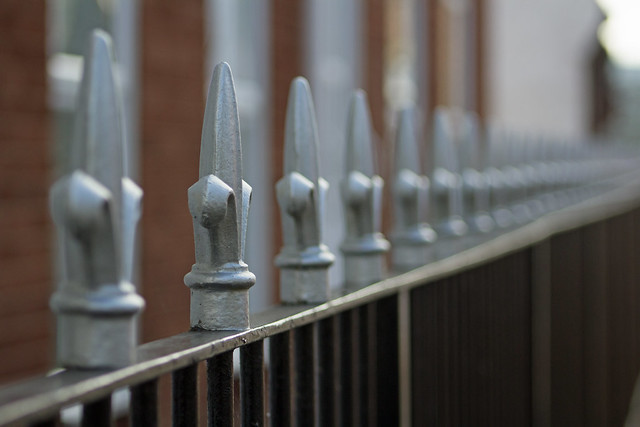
[{"x": 480, "y": 182}]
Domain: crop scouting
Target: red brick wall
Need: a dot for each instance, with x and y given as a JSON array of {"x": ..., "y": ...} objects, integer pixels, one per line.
[
  {"x": 26, "y": 338},
  {"x": 172, "y": 106},
  {"x": 287, "y": 41}
]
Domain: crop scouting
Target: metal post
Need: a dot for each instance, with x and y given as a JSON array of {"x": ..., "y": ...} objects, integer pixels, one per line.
[
  {"x": 475, "y": 184},
  {"x": 516, "y": 179},
  {"x": 446, "y": 184},
  {"x": 364, "y": 247},
  {"x": 498, "y": 189},
  {"x": 304, "y": 259},
  {"x": 219, "y": 204},
  {"x": 96, "y": 209},
  {"x": 412, "y": 237}
]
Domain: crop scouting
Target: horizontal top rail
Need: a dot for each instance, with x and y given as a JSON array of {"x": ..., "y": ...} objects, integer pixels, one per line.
[{"x": 40, "y": 397}]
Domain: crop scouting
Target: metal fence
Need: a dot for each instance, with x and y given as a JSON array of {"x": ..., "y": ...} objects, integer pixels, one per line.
[{"x": 518, "y": 306}]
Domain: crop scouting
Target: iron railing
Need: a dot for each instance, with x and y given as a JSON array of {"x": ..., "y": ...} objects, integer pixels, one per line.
[{"x": 519, "y": 306}]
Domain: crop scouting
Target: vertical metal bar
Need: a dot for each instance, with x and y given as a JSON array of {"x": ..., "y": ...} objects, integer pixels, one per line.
[
  {"x": 367, "y": 364},
  {"x": 388, "y": 405},
  {"x": 425, "y": 367},
  {"x": 304, "y": 377},
  {"x": 444, "y": 352},
  {"x": 184, "y": 396},
  {"x": 144, "y": 404},
  {"x": 97, "y": 413},
  {"x": 349, "y": 378},
  {"x": 252, "y": 384},
  {"x": 220, "y": 390},
  {"x": 467, "y": 281},
  {"x": 404, "y": 358},
  {"x": 567, "y": 398},
  {"x": 328, "y": 351},
  {"x": 594, "y": 284},
  {"x": 280, "y": 380}
]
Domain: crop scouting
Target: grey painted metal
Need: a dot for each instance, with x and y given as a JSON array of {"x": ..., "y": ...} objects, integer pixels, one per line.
[
  {"x": 39, "y": 398},
  {"x": 531, "y": 171},
  {"x": 475, "y": 183},
  {"x": 412, "y": 238},
  {"x": 546, "y": 169},
  {"x": 219, "y": 204},
  {"x": 96, "y": 209},
  {"x": 516, "y": 179},
  {"x": 364, "y": 247},
  {"x": 498, "y": 185},
  {"x": 304, "y": 259},
  {"x": 446, "y": 187}
]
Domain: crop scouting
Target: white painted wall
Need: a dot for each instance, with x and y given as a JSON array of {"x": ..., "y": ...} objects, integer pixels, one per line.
[{"x": 538, "y": 71}]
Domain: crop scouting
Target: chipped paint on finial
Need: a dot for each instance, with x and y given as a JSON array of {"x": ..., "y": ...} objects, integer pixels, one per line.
[
  {"x": 96, "y": 209},
  {"x": 364, "y": 246},
  {"x": 304, "y": 259},
  {"x": 219, "y": 204},
  {"x": 412, "y": 238}
]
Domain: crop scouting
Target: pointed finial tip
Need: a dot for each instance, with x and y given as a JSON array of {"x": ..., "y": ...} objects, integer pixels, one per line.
[
  {"x": 222, "y": 72},
  {"x": 299, "y": 97},
  {"x": 359, "y": 135},
  {"x": 360, "y": 95},
  {"x": 359, "y": 102},
  {"x": 99, "y": 34},
  {"x": 406, "y": 141},
  {"x": 221, "y": 126},
  {"x": 301, "y": 130},
  {"x": 222, "y": 75},
  {"x": 299, "y": 83},
  {"x": 101, "y": 43},
  {"x": 300, "y": 89},
  {"x": 224, "y": 65}
]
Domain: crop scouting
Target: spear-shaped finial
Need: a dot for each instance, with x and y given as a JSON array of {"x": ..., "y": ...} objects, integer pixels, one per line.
[
  {"x": 364, "y": 246},
  {"x": 474, "y": 182},
  {"x": 412, "y": 238},
  {"x": 446, "y": 186},
  {"x": 516, "y": 179},
  {"x": 96, "y": 208},
  {"x": 304, "y": 260},
  {"x": 499, "y": 190},
  {"x": 531, "y": 171},
  {"x": 219, "y": 205}
]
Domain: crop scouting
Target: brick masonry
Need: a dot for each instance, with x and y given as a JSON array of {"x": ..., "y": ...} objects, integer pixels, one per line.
[
  {"x": 172, "y": 106},
  {"x": 26, "y": 336}
]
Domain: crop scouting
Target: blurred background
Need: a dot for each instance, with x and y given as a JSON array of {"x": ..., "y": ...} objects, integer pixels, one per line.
[{"x": 569, "y": 68}]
